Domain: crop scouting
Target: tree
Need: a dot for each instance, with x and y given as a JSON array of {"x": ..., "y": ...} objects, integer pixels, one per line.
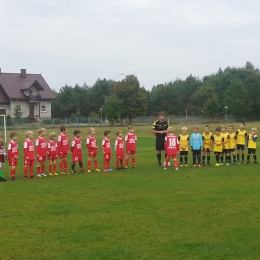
[
  {"x": 134, "y": 98},
  {"x": 17, "y": 112},
  {"x": 237, "y": 99},
  {"x": 113, "y": 108},
  {"x": 207, "y": 99},
  {"x": 165, "y": 98}
]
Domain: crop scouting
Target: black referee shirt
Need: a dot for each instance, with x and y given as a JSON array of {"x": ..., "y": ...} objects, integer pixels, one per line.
[{"x": 160, "y": 126}]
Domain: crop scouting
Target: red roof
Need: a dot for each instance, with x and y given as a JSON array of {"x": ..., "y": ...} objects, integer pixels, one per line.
[{"x": 13, "y": 83}]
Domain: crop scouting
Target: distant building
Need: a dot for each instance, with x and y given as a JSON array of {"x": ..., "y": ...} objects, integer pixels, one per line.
[{"x": 29, "y": 91}]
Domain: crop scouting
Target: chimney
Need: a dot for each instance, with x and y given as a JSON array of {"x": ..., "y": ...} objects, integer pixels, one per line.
[{"x": 23, "y": 73}]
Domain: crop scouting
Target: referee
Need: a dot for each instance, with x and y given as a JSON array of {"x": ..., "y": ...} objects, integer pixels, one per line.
[{"x": 159, "y": 129}]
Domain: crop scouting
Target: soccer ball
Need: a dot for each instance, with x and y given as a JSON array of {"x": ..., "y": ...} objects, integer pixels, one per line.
[{"x": 169, "y": 164}]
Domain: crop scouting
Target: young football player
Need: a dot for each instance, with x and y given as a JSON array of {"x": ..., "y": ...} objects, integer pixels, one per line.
[
  {"x": 172, "y": 148},
  {"x": 120, "y": 150},
  {"x": 106, "y": 147},
  {"x": 184, "y": 146},
  {"x": 28, "y": 151},
  {"x": 52, "y": 152},
  {"x": 251, "y": 145},
  {"x": 41, "y": 152},
  {"x": 241, "y": 141},
  {"x": 130, "y": 140},
  {"x": 196, "y": 143},
  {"x": 63, "y": 148},
  {"x": 76, "y": 151},
  {"x": 207, "y": 145},
  {"x": 2, "y": 157},
  {"x": 92, "y": 146},
  {"x": 13, "y": 153},
  {"x": 232, "y": 143},
  {"x": 225, "y": 151},
  {"x": 218, "y": 141}
]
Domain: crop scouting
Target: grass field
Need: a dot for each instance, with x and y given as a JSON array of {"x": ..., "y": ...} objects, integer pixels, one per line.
[{"x": 143, "y": 213}]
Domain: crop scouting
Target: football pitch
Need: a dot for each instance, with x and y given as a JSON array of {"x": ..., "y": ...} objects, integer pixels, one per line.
[{"x": 137, "y": 213}]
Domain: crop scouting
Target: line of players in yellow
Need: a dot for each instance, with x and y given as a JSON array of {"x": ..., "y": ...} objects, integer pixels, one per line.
[{"x": 227, "y": 144}]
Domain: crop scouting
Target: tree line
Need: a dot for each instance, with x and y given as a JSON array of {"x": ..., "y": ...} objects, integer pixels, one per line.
[{"x": 235, "y": 88}]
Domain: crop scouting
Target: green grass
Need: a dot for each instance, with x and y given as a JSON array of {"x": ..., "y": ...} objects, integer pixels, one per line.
[{"x": 143, "y": 213}]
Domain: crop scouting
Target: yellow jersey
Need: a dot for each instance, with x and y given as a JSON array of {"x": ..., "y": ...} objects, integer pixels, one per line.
[
  {"x": 184, "y": 139},
  {"x": 218, "y": 139},
  {"x": 231, "y": 144},
  {"x": 241, "y": 136},
  {"x": 251, "y": 143},
  {"x": 207, "y": 140},
  {"x": 226, "y": 138}
]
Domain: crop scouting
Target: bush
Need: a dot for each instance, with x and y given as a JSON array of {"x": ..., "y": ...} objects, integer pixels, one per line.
[
  {"x": 47, "y": 121},
  {"x": 58, "y": 121},
  {"x": 96, "y": 120}
]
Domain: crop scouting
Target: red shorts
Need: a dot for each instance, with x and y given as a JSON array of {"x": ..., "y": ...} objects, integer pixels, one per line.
[
  {"x": 76, "y": 158},
  {"x": 52, "y": 156},
  {"x": 130, "y": 152},
  {"x": 28, "y": 162},
  {"x": 107, "y": 156},
  {"x": 92, "y": 152},
  {"x": 13, "y": 162},
  {"x": 120, "y": 156},
  {"x": 41, "y": 159},
  {"x": 171, "y": 155},
  {"x": 63, "y": 155}
]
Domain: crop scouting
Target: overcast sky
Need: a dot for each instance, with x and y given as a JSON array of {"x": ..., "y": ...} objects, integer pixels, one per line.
[{"x": 78, "y": 41}]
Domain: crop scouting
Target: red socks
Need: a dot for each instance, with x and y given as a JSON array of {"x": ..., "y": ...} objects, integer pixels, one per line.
[
  {"x": 133, "y": 161},
  {"x": 61, "y": 166},
  {"x": 12, "y": 173},
  {"x": 96, "y": 164},
  {"x": 31, "y": 171},
  {"x": 25, "y": 171}
]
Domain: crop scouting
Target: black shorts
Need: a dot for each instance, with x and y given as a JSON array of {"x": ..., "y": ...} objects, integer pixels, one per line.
[
  {"x": 206, "y": 150},
  {"x": 251, "y": 150},
  {"x": 183, "y": 153},
  {"x": 241, "y": 147},
  {"x": 217, "y": 153},
  {"x": 159, "y": 143},
  {"x": 226, "y": 151},
  {"x": 232, "y": 150}
]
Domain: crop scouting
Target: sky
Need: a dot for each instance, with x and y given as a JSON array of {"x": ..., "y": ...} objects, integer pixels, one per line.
[{"x": 77, "y": 42}]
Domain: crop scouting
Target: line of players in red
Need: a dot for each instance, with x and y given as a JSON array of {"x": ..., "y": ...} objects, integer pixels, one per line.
[{"x": 59, "y": 147}]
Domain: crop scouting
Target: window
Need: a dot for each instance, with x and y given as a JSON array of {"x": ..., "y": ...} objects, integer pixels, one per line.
[
  {"x": 18, "y": 108},
  {"x": 43, "y": 108}
]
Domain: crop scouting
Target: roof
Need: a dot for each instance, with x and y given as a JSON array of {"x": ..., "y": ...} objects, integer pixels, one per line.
[{"x": 13, "y": 84}]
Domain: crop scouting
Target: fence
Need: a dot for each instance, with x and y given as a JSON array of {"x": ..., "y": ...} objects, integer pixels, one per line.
[{"x": 29, "y": 123}]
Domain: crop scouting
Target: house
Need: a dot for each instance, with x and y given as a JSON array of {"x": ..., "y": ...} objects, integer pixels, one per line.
[{"x": 28, "y": 92}]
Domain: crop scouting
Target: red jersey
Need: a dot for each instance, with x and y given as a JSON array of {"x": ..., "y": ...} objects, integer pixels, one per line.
[
  {"x": 130, "y": 140},
  {"x": 12, "y": 150},
  {"x": 106, "y": 146},
  {"x": 91, "y": 142},
  {"x": 2, "y": 152},
  {"x": 52, "y": 149},
  {"x": 172, "y": 145},
  {"x": 28, "y": 149},
  {"x": 76, "y": 147},
  {"x": 41, "y": 146},
  {"x": 119, "y": 146},
  {"x": 63, "y": 143}
]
